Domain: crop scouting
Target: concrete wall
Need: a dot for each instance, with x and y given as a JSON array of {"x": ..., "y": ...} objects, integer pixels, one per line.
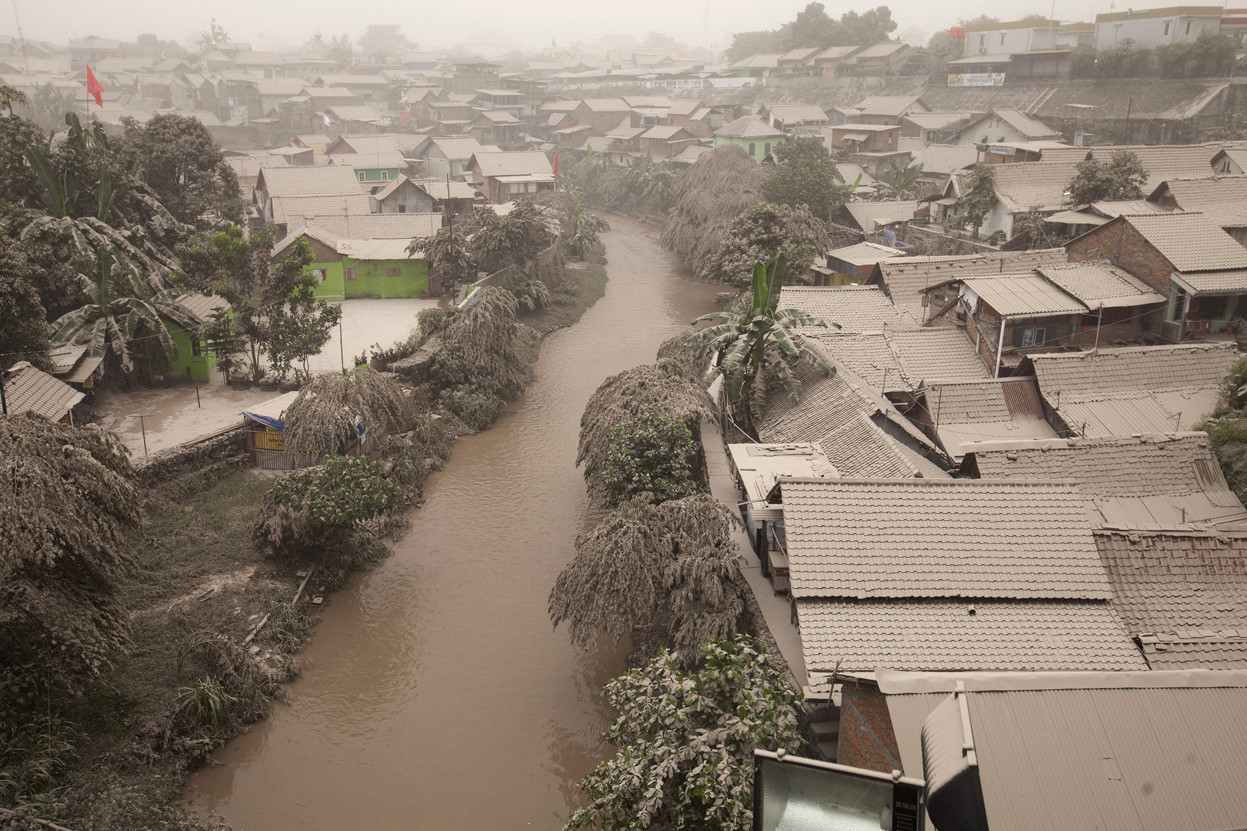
[{"x": 1151, "y": 32}]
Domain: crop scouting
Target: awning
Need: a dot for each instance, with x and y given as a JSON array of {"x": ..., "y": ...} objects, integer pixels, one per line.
[
  {"x": 272, "y": 413},
  {"x": 855, "y": 136},
  {"x": 80, "y": 373},
  {"x": 1076, "y": 218}
]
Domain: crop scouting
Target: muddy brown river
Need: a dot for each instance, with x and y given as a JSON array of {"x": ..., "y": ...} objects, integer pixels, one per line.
[{"x": 436, "y": 694}]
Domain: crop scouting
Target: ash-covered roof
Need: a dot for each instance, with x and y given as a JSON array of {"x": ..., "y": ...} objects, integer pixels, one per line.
[{"x": 954, "y": 538}]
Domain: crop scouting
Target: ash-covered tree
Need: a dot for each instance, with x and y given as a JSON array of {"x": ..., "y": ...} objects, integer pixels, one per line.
[
  {"x": 178, "y": 158},
  {"x": 651, "y": 457},
  {"x": 763, "y": 233},
  {"x": 322, "y": 515},
  {"x": 23, "y": 321},
  {"x": 720, "y": 186},
  {"x": 1227, "y": 429},
  {"x": 979, "y": 198},
  {"x": 804, "y": 174},
  {"x": 1032, "y": 230},
  {"x": 685, "y": 741},
  {"x": 663, "y": 574},
  {"x": 515, "y": 239},
  {"x": 668, "y": 389},
  {"x": 446, "y": 252},
  {"x": 300, "y": 324},
  {"x": 384, "y": 40},
  {"x": 68, "y": 502},
  {"x": 1121, "y": 177},
  {"x": 332, "y": 406}
]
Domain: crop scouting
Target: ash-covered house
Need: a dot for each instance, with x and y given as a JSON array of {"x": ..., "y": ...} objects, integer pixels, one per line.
[
  {"x": 1185, "y": 256},
  {"x": 505, "y": 177}
]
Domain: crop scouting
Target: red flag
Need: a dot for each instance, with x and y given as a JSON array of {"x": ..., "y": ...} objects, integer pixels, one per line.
[
  {"x": 556, "y": 164},
  {"x": 94, "y": 89}
]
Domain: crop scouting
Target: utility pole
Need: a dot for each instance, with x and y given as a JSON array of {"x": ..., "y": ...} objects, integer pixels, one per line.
[{"x": 1129, "y": 107}]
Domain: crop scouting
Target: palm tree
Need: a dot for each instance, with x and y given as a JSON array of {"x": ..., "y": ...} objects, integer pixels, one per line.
[
  {"x": 112, "y": 319},
  {"x": 901, "y": 182},
  {"x": 757, "y": 344}
]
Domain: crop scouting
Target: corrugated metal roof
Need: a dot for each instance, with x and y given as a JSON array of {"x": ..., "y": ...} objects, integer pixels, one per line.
[
  {"x": 1191, "y": 241},
  {"x": 1148, "y": 751},
  {"x": 1101, "y": 284},
  {"x": 30, "y": 390},
  {"x": 956, "y": 538},
  {"x": 871, "y": 215},
  {"x": 864, "y": 253},
  {"x": 1024, "y": 295},
  {"x": 906, "y": 279},
  {"x": 956, "y": 635},
  {"x": 514, "y": 163}
]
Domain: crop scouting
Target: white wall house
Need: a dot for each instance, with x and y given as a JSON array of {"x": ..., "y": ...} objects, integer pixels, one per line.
[
  {"x": 1152, "y": 28},
  {"x": 1012, "y": 38}
]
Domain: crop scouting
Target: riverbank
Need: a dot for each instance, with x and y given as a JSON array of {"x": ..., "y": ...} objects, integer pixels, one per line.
[
  {"x": 201, "y": 579},
  {"x": 435, "y": 686}
]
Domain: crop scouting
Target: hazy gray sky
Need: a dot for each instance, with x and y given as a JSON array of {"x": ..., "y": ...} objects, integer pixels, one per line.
[{"x": 434, "y": 25}]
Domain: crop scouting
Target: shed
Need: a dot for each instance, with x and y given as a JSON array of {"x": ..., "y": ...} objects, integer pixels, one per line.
[{"x": 31, "y": 390}]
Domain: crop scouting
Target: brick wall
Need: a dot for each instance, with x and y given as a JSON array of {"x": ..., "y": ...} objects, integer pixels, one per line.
[
  {"x": 1123, "y": 246},
  {"x": 866, "y": 736}
]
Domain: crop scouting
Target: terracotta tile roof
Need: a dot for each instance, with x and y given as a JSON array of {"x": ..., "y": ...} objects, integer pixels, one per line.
[
  {"x": 838, "y": 414},
  {"x": 1145, "y": 389},
  {"x": 899, "y": 360},
  {"x": 1136, "y": 483},
  {"x": 1021, "y": 186},
  {"x": 311, "y": 180},
  {"x": 952, "y": 635},
  {"x": 956, "y": 538},
  {"x": 1099, "y": 284},
  {"x": 1191, "y": 241},
  {"x": 1223, "y": 199},
  {"x": 1024, "y": 295},
  {"x": 1161, "y": 161},
  {"x": 1188, "y": 592},
  {"x": 747, "y": 127},
  {"x": 1135, "y": 368},
  {"x": 905, "y": 279},
  {"x": 853, "y": 308},
  {"x": 30, "y": 390},
  {"x": 974, "y": 411}
]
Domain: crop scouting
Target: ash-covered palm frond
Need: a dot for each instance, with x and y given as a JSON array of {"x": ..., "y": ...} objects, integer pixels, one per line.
[
  {"x": 484, "y": 343},
  {"x": 331, "y": 406}
]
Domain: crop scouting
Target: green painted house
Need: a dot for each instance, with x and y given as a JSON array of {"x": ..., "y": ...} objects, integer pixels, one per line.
[
  {"x": 348, "y": 267},
  {"x": 376, "y": 159},
  {"x": 195, "y": 360},
  {"x": 754, "y": 136}
]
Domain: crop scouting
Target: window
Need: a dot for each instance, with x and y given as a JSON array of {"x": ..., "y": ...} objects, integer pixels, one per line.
[
  {"x": 1037, "y": 336},
  {"x": 349, "y": 274},
  {"x": 1188, "y": 27},
  {"x": 196, "y": 348},
  {"x": 1169, "y": 23},
  {"x": 319, "y": 274},
  {"x": 360, "y": 175},
  {"x": 402, "y": 209},
  {"x": 393, "y": 272},
  {"x": 1002, "y": 38},
  {"x": 1209, "y": 308},
  {"x": 982, "y": 44},
  {"x": 385, "y": 176},
  {"x": 752, "y": 148}
]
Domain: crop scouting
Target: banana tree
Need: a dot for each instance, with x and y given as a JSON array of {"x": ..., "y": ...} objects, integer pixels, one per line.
[
  {"x": 112, "y": 318},
  {"x": 759, "y": 343}
]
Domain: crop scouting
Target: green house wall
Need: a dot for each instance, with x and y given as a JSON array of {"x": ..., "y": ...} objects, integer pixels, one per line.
[
  {"x": 373, "y": 174},
  {"x": 759, "y": 145},
  {"x": 372, "y": 278},
  {"x": 198, "y": 367}
]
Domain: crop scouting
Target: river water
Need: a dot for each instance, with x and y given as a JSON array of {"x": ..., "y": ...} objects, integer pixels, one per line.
[{"x": 436, "y": 694}]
